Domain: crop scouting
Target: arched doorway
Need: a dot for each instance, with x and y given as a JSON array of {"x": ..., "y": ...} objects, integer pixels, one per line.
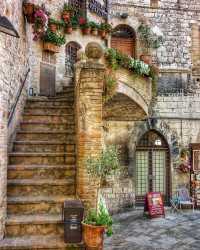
[
  {"x": 71, "y": 57},
  {"x": 152, "y": 166},
  {"x": 123, "y": 39}
]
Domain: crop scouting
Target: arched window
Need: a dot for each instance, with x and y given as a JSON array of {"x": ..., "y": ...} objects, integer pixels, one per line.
[
  {"x": 123, "y": 39},
  {"x": 152, "y": 166},
  {"x": 71, "y": 57}
]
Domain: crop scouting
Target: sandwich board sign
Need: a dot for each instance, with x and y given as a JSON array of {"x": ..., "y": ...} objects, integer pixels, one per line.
[{"x": 154, "y": 205}]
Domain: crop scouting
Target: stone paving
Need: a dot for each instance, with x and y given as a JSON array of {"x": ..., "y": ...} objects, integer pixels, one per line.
[{"x": 177, "y": 231}]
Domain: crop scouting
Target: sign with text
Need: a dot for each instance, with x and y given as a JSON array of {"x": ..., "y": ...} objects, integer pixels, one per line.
[{"x": 154, "y": 204}]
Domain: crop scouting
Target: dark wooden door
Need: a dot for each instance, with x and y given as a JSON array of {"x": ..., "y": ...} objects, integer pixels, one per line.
[
  {"x": 47, "y": 79},
  {"x": 123, "y": 44}
]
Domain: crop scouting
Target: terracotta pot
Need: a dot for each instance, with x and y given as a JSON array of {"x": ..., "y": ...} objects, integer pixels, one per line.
[
  {"x": 51, "y": 47},
  {"x": 66, "y": 16},
  {"x": 68, "y": 30},
  {"x": 93, "y": 236},
  {"x": 86, "y": 31},
  {"x": 102, "y": 34},
  {"x": 53, "y": 27},
  {"x": 28, "y": 8},
  {"x": 146, "y": 59},
  {"x": 94, "y": 32}
]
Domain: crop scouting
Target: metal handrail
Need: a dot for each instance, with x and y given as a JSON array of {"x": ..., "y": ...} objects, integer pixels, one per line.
[{"x": 17, "y": 98}]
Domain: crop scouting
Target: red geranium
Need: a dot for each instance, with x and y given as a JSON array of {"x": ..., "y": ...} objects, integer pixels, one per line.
[{"x": 82, "y": 21}]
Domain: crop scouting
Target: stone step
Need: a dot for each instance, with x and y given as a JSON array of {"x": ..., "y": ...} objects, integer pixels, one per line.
[
  {"x": 48, "y": 118},
  {"x": 49, "y": 103},
  {"x": 67, "y": 94},
  {"x": 63, "y": 136},
  {"x": 41, "y": 158},
  {"x": 52, "y": 242},
  {"x": 38, "y": 126},
  {"x": 27, "y": 205},
  {"x": 25, "y": 225},
  {"x": 51, "y": 110},
  {"x": 40, "y": 187},
  {"x": 41, "y": 172},
  {"x": 43, "y": 146}
]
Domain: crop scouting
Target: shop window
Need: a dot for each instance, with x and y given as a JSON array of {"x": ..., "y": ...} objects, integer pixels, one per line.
[
  {"x": 71, "y": 57},
  {"x": 123, "y": 39}
]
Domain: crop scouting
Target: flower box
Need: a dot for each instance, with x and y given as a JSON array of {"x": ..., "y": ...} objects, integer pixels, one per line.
[{"x": 47, "y": 46}]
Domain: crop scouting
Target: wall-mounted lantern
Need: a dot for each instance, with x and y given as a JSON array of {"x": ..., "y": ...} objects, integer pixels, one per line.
[{"x": 7, "y": 27}]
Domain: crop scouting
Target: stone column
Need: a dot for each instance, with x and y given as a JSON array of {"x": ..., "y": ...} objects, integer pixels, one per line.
[
  {"x": 89, "y": 89},
  {"x": 3, "y": 160}
]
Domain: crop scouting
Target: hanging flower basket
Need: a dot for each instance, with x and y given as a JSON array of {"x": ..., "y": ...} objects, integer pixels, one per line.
[
  {"x": 68, "y": 29},
  {"x": 47, "y": 46},
  {"x": 28, "y": 9},
  {"x": 86, "y": 31}
]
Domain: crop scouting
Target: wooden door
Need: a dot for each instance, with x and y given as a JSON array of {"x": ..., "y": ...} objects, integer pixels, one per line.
[
  {"x": 47, "y": 79},
  {"x": 123, "y": 44}
]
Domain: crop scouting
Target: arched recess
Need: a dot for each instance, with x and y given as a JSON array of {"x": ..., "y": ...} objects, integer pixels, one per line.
[
  {"x": 71, "y": 50},
  {"x": 124, "y": 39},
  {"x": 152, "y": 166}
]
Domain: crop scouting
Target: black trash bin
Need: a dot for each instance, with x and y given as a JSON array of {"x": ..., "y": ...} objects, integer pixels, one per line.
[{"x": 73, "y": 211}]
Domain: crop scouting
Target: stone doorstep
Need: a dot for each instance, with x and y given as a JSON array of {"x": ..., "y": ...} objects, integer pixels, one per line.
[{"x": 38, "y": 242}]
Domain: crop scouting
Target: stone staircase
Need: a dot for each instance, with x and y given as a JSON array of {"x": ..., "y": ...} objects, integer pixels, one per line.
[{"x": 41, "y": 174}]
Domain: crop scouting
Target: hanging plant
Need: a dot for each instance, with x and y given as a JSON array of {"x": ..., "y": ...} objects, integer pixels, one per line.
[
  {"x": 68, "y": 28},
  {"x": 149, "y": 41},
  {"x": 110, "y": 85},
  {"x": 40, "y": 23},
  {"x": 28, "y": 10}
]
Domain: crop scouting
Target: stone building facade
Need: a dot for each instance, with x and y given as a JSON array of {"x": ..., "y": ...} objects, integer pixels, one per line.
[{"x": 131, "y": 118}]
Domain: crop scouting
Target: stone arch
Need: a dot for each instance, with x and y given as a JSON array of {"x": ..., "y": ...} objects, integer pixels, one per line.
[
  {"x": 160, "y": 127},
  {"x": 122, "y": 88},
  {"x": 123, "y": 38}
]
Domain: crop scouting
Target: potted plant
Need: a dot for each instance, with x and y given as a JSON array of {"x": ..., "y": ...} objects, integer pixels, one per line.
[
  {"x": 52, "y": 41},
  {"x": 28, "y": 9},
  {"x": 68, "y": 28},
  {"x": 97, "y": 222},
  {"x": 95, "y": 225},
  {"x": 149, "y": 41},
  {"x": 104, "y": 29},
  {"x": 84, "y": 25},
  {"x": 40, "y": 23},
  {"x": 54, "y": 24},
  {"x": 94, "y": 28},
  {"x": 74, "y": 22},
  {"x": 67, "y": 11}
]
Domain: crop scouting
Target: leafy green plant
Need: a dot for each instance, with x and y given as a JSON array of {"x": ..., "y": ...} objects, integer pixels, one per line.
[
  {"x": 116, "y": 59},
  {"x": 105, "y": 26},
  {"x": 54, "y": 38},
  {"x": 149, "y": 39},
  {"x": 74, "y": 21},
  {"x": 104, "y": 165},
  {"x": 110, "y": 84},
  {"x": 100, "y": 218},
  {"x": 93, "y": 25}
]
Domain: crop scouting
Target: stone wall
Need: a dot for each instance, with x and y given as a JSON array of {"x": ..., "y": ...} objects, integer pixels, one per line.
[{"x": 14, "y": 64}]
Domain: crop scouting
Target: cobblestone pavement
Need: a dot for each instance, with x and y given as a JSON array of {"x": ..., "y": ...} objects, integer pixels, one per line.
[{"x": 132, "y": 231}]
